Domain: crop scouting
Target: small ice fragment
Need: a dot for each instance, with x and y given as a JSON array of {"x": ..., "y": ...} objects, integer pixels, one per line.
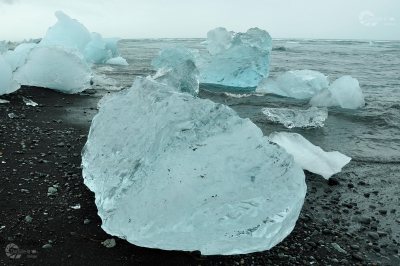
[
  {"x": 291, "y": 118},
  {"x": 310, "y": 157},
  {"x": 12, "y": 115},
  {"x": 4, "y": 101},
  {"x": 344, "y": 92},
  {"x": 29, "y": 102},
  {"x": 2, "y": 227},
  {"x": 51, "y": 191},
  {"x": 299, "y": 84},
  {"x": 109, "y": 243},
  {"x": 28, "y": 219},
  {"x": 117, "y": 61},
  {"x": 76, "y": 207}
]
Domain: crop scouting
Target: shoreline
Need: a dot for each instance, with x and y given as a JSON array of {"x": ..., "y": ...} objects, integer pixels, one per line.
[{"x": 350, "y": 220}]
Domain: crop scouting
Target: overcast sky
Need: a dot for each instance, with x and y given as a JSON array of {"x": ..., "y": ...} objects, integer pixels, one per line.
[{"x": 332, "y": 19}]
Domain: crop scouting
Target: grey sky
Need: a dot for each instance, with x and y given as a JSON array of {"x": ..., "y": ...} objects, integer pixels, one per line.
[{"x": 333, "y": 19}]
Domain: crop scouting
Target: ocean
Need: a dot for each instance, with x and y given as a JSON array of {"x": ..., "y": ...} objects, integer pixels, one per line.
[{"x": 370, "y": 134}]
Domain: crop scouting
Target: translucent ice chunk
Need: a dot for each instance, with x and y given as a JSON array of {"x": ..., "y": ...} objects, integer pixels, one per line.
[
  {"x": 344, "y": 92},
  {"x": 179, "y": 176},
  {"x": 96, "y": 50},
  {"x": 176, "y": 68},
  {"x": 68, "y": 33},
  {"x": 242, "y": 63},
  {"x": 7, "y": 82},
  {"x": 290, "y": 118},
  {"x": 55, "y": 68},
  {"x": 218, "y": 40},
  {"x": 117, "y": 61},
  {"x": 310, "y": 157},
  {"x": 299, "y": 84}
]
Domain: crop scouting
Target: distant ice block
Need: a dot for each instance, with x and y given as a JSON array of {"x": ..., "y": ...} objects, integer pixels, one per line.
[
  {"x": 176, "y": 68},
  {"x": 68, "y": 33},
  {"x": 299, "y": 84},
  {"x": 239, "y": 60},
  {"x": 17, "y": 57},
  {"x": 310, "y": 157},
  {"x": 72, "y": 35},
  {"x": 291, "y": 118},
  {"x": 344, "y": 92},
  {"x": 7, "y": 82},
  {"x": 55, "y": 68},
  {"x": 117, "y": 61}
]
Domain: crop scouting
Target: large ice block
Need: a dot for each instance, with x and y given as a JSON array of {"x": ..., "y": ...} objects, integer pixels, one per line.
[
  {"x": 299, "y": 84},
  {"x": 55, "y": 68},
  {"x": 186, "y": 173},
  {"x": 310, "y": 157},
  {"x": 344, "y": 92},
  {"x": 238, "y": 60}
]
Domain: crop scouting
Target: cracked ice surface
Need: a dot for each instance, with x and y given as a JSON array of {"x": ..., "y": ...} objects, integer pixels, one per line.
[
  {"x": 237, "y": 60},
  {"x": 188, "y": 174},
  {"x": 310, "y": 157},
  {"x": 291, "y": 118}
]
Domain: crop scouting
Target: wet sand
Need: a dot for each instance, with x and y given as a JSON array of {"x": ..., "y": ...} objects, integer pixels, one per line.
[{"x": 354, "y": 219}]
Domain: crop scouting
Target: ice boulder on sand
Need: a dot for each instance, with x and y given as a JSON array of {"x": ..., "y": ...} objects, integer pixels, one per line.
[
  {"x": 291, "y": 118},
  {"x": 188, "y": 174},
  {"x": 55, "y": 68},
  {"x": 236, "y": 60},
  {"x": 310, "y": 157},
  {"x": 176, "y": 68},
  {"x": 344, "y": 92},
  {"x": 7, "y": 83},
  {"x": 117, "y": 61},
  {"x": 299, "y": 84},
  {"x": 72, "y": 35}
]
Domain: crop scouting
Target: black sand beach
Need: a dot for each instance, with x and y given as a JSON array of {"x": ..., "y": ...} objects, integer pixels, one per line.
[{"x": 354, "y": 219}]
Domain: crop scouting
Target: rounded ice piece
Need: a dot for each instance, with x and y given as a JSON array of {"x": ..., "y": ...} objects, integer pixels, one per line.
[
  {"x": 7, "y": 83},
  {"x": 344, "y": 92},
  {"x": 96, "y": 50},
  {"x": 299, "y": 84},
  {"x": 177, "y": 172},
  {"x": 55, "y": 68},
  {"x": 17, "y": 57}
]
